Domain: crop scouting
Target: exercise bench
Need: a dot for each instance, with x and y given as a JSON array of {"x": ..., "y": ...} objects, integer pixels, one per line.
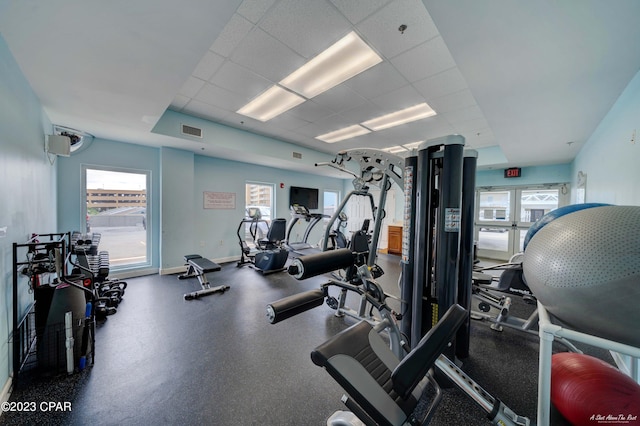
[{"x": 198, "y": 266}]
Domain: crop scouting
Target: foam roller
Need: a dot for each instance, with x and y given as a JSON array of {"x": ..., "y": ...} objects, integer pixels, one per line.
[
  {"x": 294, "y": 305},
  {"x": 320, "y": 263}
]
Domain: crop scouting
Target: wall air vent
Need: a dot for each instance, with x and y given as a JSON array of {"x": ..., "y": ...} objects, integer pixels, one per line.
[
  {"x": 297, "y": 155},
  {"x": 191, "y": 131}
]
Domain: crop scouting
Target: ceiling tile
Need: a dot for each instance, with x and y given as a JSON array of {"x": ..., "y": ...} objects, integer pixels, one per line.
[
  {"x": 427, "y": 59},
  {"x": 203, "y": 110},
  {"x": 235, "y": 30},
  {"x": 191, "y": 87},
  {"x": 339, "y": 98},
  {"x": 275, "y": 65},
  {"x": 224, "y": 99},
  {"x": 471, "y": 126},
  {"x": 237, "y": 79},
  {"x": 208, "y": 65},
  {"x": 306, "y": 26},
  {"x": 363, "y": 112},
  {"x": 479, "y": 139},
  {"x": 356, "y": 10},
  {"x": 444, "y": 83},
  {"x": 310, "y": 111},
  {"x": 465, "y": 114},
  {"x": 286, "y": 121},
  {"x": 319, "y": 127},
  {"x": 253, "y": 10},
  {"x": 484, "y": 139},
  {"x": 452, "y": 102},
  {"x": 179, "y": 102},
  {"x": 381, "y": 29},
  {"x": 398, "y": 99},
  {"x": 377, "y": 80}
]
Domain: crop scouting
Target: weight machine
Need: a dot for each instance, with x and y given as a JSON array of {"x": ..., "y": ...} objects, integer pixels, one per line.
[
  {"x": 385, "y": 379},
  {"x": 437, "y": 246},
  {"x": 377, "y": 167}
]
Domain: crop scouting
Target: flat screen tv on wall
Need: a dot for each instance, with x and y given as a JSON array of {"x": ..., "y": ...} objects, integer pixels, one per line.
[{"x": 307, "y": 197}]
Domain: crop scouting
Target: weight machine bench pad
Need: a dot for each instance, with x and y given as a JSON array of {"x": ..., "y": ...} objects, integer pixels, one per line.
[
  {"x": 199, "y": 267},
  {"x": 386, "y": 389},
  {"x": 361, "y": 362},
  {"x": 200, "y": 264}
]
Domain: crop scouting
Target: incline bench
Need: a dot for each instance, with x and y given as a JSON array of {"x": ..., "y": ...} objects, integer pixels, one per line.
[{"x": 198, "y": 266}]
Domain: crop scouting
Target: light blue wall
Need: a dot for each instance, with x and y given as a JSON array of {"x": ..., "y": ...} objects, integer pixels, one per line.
[
  {"x": 27, "y": 185},
  {"x": 539, "y": 175},
  {"x": 216, "y": 228},
  {"x": 180, "y": 225},
  {"x": 611, "y": 156},
  {"x": 177, "y": 206}
]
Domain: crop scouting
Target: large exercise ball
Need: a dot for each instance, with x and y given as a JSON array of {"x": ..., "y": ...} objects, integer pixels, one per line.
[
  {"x": 584, "y": 267},
  {"x": 553, "y": 215},
  {"x": 588, "y": 391}
]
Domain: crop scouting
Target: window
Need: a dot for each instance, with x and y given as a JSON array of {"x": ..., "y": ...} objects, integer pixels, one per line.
[
  {"x": 259, "y": 197},
  {"x": 116, "y": 207},
  {"x": 331, "y": 200}
]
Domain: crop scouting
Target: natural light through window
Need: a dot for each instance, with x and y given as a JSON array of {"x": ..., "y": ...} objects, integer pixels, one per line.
[{"x": 116, "y": 208}]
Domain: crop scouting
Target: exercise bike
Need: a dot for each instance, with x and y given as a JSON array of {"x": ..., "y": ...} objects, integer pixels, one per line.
[
  {"x": 386, "y": 383},
  {"x": 268, "y": 254}
]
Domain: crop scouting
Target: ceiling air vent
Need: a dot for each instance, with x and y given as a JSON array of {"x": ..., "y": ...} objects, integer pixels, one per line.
[
  {"x": 191, "y": 131},
  {"x": 297, "y": 155}
]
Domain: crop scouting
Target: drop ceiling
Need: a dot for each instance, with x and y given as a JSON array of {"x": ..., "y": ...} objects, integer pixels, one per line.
[{"x": 528, "y": 81}]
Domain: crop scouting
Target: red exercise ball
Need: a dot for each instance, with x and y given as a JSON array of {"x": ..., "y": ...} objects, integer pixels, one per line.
[{"x": 588, "y": 391}]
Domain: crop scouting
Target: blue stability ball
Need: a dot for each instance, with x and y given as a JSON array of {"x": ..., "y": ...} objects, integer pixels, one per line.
[
  {"x": 553, "y": 215},
  {"x": 584, "y": 267}
]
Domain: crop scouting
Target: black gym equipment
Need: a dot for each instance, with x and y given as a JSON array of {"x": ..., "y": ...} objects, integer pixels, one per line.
[
  {"x": 337, "y": 239},
  {"x": 437, "y": 248},
  {"x": 300, "y": 212},
  {"x": 386, "y": 382},
  {"x": 198, "y": 266},
  {"x": 92, "y": 264},
  {"x": 268, "y": 254}
]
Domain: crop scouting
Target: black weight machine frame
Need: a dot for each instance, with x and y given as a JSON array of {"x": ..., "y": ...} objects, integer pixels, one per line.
[
  {"x": 437, "y": 246},
  {"x": 410, "y": 366}
]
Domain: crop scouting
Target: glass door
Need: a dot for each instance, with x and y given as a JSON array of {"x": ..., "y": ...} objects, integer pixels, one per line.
[
  {"x": 116, "y": 208},
  {"x": 503, "y": 217},
  {"x": 494, "y": 217}
]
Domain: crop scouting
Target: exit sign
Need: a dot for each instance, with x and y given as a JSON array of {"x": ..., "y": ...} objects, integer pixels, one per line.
[{"x": 513, "y": 172}]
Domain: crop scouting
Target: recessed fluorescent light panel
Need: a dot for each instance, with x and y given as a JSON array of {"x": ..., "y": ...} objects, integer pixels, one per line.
[
  {"x": 412, "y": 145},
  {"x": 342, "y": 134},
  {"x": 395, "y": 149},
  {"x": 346, "y": 58},
  {"x": 271, "y": 103},
  {"x": 407, "y": 115}
]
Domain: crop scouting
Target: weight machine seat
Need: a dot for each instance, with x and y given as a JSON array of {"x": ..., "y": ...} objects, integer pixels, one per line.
[
  {"x": 200, "y": 264},
  {"x": 199, "y": 267},
  {"x": 385, "y": 389},
  {"x": 276, "y": 234}
]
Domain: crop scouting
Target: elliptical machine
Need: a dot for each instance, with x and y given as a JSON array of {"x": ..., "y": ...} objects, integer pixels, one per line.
[
  {"x": 337, "y": 239},
  {"x": 267, "y": 254}
]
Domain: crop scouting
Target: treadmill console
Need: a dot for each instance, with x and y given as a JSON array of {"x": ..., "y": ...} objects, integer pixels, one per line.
[{"x": 299, "y": 210}]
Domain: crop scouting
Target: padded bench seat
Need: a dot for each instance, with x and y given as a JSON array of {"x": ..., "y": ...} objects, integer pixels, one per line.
[{"x": 199, "y": 267}]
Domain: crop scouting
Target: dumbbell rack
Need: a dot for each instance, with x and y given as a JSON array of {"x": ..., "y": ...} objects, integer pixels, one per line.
[{"x": 25, "y": 332}]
